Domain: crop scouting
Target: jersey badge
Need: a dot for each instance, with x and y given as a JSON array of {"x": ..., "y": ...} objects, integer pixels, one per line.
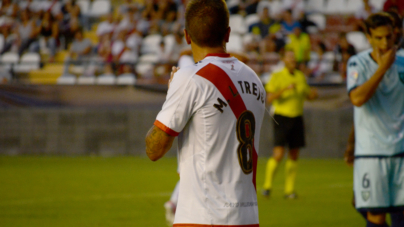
[
  {"x": 365, "y": 195},
  {"x": 354, "y": 75}
]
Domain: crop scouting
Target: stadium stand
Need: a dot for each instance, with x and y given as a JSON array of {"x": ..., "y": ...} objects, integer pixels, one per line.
[{"x": 144, "y": 34}]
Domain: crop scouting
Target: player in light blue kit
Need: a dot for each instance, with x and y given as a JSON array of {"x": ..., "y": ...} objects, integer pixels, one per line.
[{"x": 376, "y": 88}]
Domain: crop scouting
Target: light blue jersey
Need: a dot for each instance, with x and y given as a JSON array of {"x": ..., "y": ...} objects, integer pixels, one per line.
[{"x": 379, "y": 123}]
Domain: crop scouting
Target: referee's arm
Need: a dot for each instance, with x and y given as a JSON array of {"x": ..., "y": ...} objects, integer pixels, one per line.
[{"x": 276, "y": 95}]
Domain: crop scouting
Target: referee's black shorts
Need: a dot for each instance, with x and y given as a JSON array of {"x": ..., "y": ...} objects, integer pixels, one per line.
[{"x": 289, "y": 131}]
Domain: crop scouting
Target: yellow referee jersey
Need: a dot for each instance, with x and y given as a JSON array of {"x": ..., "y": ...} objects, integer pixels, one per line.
[{"x": 290, "y": 104}]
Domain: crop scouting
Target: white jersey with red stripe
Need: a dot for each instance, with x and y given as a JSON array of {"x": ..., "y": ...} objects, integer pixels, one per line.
[{"x": 216, "y": 107}]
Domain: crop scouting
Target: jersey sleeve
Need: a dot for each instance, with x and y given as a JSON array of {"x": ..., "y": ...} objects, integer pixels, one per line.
[
  {"x": 179, "y": 105},
  {"x": 355, "y": 74}
]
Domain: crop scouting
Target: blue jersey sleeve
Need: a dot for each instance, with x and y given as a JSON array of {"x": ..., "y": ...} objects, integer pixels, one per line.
[{"x": 356, "y": 74}]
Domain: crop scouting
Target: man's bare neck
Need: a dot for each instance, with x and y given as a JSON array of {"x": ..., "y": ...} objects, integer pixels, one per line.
[{"x": 200, "y": 53}]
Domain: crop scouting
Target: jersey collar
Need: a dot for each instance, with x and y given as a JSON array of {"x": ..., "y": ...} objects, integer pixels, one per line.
[{"x": 221, "y": 55}]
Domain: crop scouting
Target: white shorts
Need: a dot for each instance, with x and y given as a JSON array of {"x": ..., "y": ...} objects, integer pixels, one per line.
[{"x": 379, "y": 183}]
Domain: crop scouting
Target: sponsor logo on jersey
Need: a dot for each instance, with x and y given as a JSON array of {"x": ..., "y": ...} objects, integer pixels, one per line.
[
  {"x": 354, "y": 75},
  {"x": 401, "y": 76},
  {"x": 365, "y": 195}
]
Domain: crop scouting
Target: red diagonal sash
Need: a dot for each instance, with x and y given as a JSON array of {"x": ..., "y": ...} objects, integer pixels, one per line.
[{"x": 225, "y": 85}]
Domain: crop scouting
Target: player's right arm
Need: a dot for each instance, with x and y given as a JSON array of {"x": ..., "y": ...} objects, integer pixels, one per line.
[
  {"x": 158, "y": 143},
  {"x": 362, "y": 93}
]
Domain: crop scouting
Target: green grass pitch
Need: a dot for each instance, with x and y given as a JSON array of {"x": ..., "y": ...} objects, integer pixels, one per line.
[{"x": 131, "y": 191}]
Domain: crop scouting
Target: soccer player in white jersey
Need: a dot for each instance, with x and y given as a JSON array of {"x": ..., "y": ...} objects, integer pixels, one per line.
[
  {"x": 376, "y": 88},
  {"x": 216, "y": 107}
]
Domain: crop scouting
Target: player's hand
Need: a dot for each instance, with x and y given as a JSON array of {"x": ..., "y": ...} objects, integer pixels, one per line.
[
  {"x": 387, "y": 59},
  {"x": 291, "y": 87},
  {"x": 349, "y": 155},
  {"x": 313, "y": 94},
  {"x": 174, "y": 70}
]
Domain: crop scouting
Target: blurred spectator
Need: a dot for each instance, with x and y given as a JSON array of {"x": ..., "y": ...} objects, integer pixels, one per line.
[
  {"x": 108, "y": 71},
  {"x": 296, "y": 6},
  {"x": 70, "y": 31},
  {"x": 305, "y": 23},
  {"x": 128, "y": 23},
  {"x": 8, "y": 9},
  {"x": 104, "y": 48},
  {"x": 288, "y": 23},
  {"x": 177, "y": 47},
  {"x": 344, "y": 46},
  {"x": 271, "y": 57},
  {"x": 118, "y": 46},
  {"x": 52, "y": 6},
  {"x": 299, "y": 43},
  {"x": 128, "y": 5},
  {"x": 265, "y": 26},
  {"x": 79, "y": 53},
  {"x": 134, "y": 41},
  {"x": 319, "y": 67},
  {"x": 363, "y": 13},
  {"x": 127, "y": 71},
  {"x": 33, "y": 6},
  {"x": 27, "y": 33},
  {"x": 245, "y": 7},
  {"x": 9, "y": 39},
  {"x": 169, "y": 25},
  {"x": 107, "y": 26},
  {"x": 398, "y": 4},
  {"x": 49, "y": 29},
  {"x": 343, "y": 51}
]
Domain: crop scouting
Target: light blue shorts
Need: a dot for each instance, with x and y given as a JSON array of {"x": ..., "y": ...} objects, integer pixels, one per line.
[{"x": 379, "y": 183}]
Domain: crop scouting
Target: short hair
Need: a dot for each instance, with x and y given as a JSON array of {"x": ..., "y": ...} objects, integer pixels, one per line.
[
  {"x": 377, "y": 20},
  {"x": 207, "y": 21},
  {"x": 398, "y": 22}
]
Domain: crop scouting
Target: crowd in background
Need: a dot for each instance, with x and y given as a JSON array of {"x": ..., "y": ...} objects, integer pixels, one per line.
[{"x": 123, "y": 36}]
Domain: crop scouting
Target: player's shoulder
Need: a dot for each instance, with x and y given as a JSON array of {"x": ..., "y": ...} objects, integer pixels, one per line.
[{"x": 359, "y": 59}]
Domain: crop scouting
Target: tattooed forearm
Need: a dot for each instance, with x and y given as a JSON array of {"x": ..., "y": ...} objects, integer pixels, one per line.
[{"x": 157, "y": 143}]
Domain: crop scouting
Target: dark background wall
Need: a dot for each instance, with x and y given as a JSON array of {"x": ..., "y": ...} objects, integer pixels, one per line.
[{"x": 121, "y": 131}]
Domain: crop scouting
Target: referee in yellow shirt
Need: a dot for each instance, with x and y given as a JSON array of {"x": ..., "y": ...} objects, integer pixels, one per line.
[{"x": 287, "y": 90}]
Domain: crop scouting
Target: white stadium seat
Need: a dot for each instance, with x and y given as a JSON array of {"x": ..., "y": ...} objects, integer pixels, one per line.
[
  {"x": 315, "y": 6},
  {"x": 335, "y": 7},
  {"x": 105, "y": 80},
  {"x": 235, "y": 43},
  {"x": 145, "y": 69},
  {"x": 9, "y": 60},
  {"x": 169, "y": 41},
  {"x": 232, "y": 3},
  {"x": 353, "y": 6},
  {"x": 86, "y": 80},
  {"x": 378, "y": 4},
  {"x": 358, "y": 40},
  {"x": 28, "y": 62},
  {"x": 100, "y": 8},
  {"x": 149, "y": 58},
  {"x": 251, "y": 19},
  {"x": 237, "y": 24},
  {"x": 151, "y": 44},
  {"x": 319, "y": 19},
  {"x": 329, "y": 56},
  {"x": 84, "y": 6},
  {"x": 126, "y": 80},
  {"x": 67, "y": 79},
  {"x": 275, "y": 7}
]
